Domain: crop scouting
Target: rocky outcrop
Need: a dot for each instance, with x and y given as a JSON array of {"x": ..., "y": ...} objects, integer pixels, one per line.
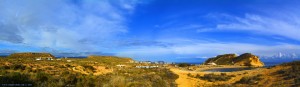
[
  {"x": 226, "y": 59},
  {"x": 246, "y": 59}
]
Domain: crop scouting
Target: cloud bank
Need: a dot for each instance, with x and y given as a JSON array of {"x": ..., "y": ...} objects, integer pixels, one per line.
[
  {"x": 203, "y": 49},
  {"x": 87, "y": 25}
]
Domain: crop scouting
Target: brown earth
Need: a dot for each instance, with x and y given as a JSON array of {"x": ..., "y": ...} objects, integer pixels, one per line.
[{"x": 269, "y": 79}]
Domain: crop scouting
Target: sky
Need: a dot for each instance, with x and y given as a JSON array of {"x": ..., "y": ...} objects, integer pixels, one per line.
[{"x": 167, "y": 30}]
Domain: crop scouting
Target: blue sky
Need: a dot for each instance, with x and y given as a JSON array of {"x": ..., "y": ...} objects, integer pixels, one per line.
[{"x": 151, "y": 29}]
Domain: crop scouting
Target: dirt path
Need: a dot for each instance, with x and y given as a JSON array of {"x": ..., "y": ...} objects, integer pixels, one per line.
[{"x": 184, "y": 80}]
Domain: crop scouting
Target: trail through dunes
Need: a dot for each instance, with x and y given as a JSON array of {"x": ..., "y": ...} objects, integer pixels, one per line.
[
  {"x": 187, "y": 81},
  {"x": 184, "y": 80}
]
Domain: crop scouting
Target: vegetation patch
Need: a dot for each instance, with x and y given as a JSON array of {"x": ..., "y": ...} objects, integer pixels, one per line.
[
  {"x": 291, "y": 73},
  {"x": 250, "y": 79},
  {"x": 183, "y": 65},
  {"x": 214, "y": 77}
]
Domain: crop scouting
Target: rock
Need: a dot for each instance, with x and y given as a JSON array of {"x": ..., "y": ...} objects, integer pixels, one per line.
[
  {"x": 246, "y": 59},
  {"x": 225, "y": 59}
]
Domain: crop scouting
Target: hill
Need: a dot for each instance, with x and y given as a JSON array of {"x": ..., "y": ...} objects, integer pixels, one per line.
[
  {"x": 94, "y": 71},
  {"x": 246, "y": 59},
  {"x": 30, "y": 55},
  {"x": 109, "y": 59}
]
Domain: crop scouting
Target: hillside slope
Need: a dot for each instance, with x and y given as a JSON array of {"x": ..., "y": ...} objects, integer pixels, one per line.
[
  {"x": 109, "y": 59},
  {"x": 30, "y": 55}
]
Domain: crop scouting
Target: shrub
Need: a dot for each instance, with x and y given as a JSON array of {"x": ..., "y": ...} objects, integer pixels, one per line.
[
  {"x": 18, "y": 67},
  {"x": 117, "y": 81},
  {"x": 184, "y": 64},
  {"x": 42, "y": 77},
  {"x": 297, "y": 81},
  {"x": 70, "y": 79},
  {"x": 68, "y": 65},
  {"x": 2, "y": 68},
  {"x": 61, "y": 66},
  {"x": 291, "y": 73},
  {"x": 189, "y": 74},
  {"x": 15, "y": 78},
  {"x": 213, "y": 77},
  {"x": 88, "y": 67},
  {"x": 28, "y": 69},
  {"x": 223, "y": 74},
  {"x": 249, "y": 79},
  {"x": 197, "y": 76},
  {"x": 85, "y": 81}
]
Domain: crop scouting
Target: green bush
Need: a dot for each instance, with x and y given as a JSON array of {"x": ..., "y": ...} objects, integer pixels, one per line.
[
  {"x": 190, "y": 75},
  {"x": 42, "y": 77},
  {"x": 15, "y": 78},
  {"x": 17, "y": 67},
  {"x": 184, "y": 64},
  {"x": 70, "y": 79},
  {"x": 89, "y": 68},
  {"x": 297, "y": 81}
]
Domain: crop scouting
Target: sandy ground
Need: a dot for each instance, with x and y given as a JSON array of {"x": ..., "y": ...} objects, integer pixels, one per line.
[
  {"x": 186, "y": 81},
  {"x": 99, "y": 70}
]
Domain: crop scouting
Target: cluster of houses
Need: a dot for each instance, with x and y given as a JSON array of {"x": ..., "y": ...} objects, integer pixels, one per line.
[
  {"x": 44, "y": 58},
  {"x": 149, "y": 62},
  {"x": 50, "y": 58},
  {"x": 147, "y": 67}
]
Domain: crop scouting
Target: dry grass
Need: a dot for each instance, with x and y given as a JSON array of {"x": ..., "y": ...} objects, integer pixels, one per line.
[{"x": 266, "y": 77}]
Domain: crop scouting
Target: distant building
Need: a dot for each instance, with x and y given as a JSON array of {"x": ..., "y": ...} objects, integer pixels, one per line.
[
  {"x": 44, "y": 58},
  {"x": 147, "y": 67},
  {"x": 147, "y": 62}
]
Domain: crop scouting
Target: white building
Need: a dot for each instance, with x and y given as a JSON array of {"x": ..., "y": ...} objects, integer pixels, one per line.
[
  {"x": 44, "y": 58},
  {"x": 212, "y": 63}
]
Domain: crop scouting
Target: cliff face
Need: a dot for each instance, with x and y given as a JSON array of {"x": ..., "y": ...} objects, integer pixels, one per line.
[
  {"x": 30, "y": 55},
  {"x": 225, "y": 59},
  {"x": 246, "y": 59}
]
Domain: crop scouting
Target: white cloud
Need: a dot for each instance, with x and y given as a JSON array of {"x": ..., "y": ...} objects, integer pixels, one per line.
[
  {"x": 57, "y": 24},
  {"x": 288, "y": 28}
]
